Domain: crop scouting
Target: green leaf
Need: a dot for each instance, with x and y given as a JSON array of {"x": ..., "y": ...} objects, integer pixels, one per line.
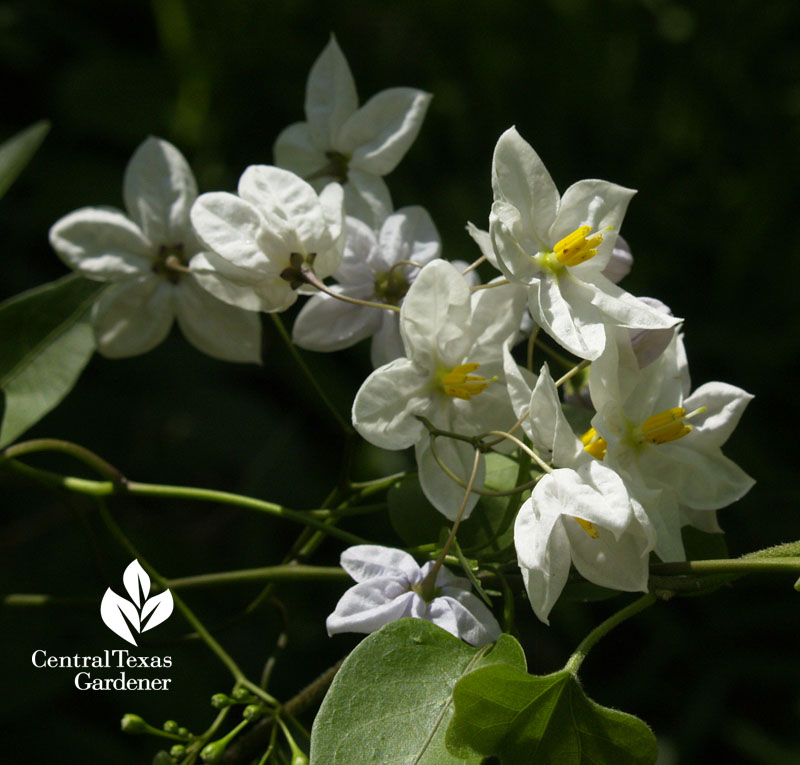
[
  {"x": 45, "y": 342},
  {"x": 502, "y": 711},
  {"x": 17, "y": 151},
  {"x": 391, "y": 700}
]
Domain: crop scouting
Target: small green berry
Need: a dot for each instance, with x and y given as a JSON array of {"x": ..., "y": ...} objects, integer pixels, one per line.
[
  {"x": 133, "y": 724},
  {"x": 170, "y": 726},
  {"x": 220, "y": 700},
  {"x": 178, "y": 751},
  {"x": 213, "y": 752},
  {"x": 252, "y": 712},
  {"x": 183, "y": 732}
]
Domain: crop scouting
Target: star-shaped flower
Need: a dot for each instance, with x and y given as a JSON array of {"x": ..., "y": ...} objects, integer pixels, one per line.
[
  {"x": 663, "y": 442},
  {"x": 354, "y": 146},
  {"x": 259, "y": 241},
  {"x": 148, "y": 256},
  {"x": 452, "y": 375},
  {"x": 379, "y": 267},
  {"x": 389, "y": 588},
  {"x": 558, "y": 247}
]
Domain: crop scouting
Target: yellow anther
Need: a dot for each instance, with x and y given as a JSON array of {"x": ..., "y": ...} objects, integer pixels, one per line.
[
  {"x": 665, "y": 426},
  {"x": 588, "y": 527},
  {"x": 459, "y": 383},
  {"x": 575, "y": 248},
  {"x": 594, "y": 444}
]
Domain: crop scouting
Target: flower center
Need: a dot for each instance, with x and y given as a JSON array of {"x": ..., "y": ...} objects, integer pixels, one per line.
[
  {"x": 391, "y": 286},
  {"x": 459, "y": 383},
  {"x": 659, "y": 428},
  {"x": 588, "y": 527},
  {"x": 575, "y": 248},
  {"x": 171, "y": 261},
  {"x": 293, "y": 273}
]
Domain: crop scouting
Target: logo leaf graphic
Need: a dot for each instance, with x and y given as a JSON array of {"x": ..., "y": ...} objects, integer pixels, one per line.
[
  {"x": 114, "y": 609},
  {"x": 136, "y": 580},
  {"x": 160, "y": 606}
]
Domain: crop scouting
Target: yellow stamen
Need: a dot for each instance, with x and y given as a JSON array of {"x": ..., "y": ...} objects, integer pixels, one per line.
[
  {"x": 575, "y": 248},
  {"x": 459, "y": 383},
  {"x": 665, "y": 426},
  {"x": 588, "y": 527},
  {"x": 594, "y": 444}
]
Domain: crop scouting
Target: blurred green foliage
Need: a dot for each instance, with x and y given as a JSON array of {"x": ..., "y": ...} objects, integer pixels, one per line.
[{"x": 697, "y": 105}]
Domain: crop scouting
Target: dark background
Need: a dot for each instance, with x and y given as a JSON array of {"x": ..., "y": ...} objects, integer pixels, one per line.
[{"x": 697, "y": 105}]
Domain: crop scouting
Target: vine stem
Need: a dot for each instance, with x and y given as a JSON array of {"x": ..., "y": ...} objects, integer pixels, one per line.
[
  {"x": 311, "y": 278},
  {"x": 750, "y": 565},
  {"x": 81, "y": 453},
  {"x": 574, "y": 662},
  {"x": 188, "y": 614},
  {"x": 291, "y": 573},
  {"x": 109, "y": 488}
]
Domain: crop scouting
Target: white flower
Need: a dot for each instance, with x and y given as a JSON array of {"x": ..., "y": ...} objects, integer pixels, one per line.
[
  {"x": 370, "y": 270},
  {"x": 665, "y": 443},
  {"x": 354, "y": 146},
  {"x": 559, "y": 247},
  {"x": 585, "y": 517},
  {"x": 147, "y": 255},
  {"x": 581, "y": 513},
  {"x": 389, "y": 588},
  {"x": 260, "y": 240},
  {"x": 453, "y": 376}
]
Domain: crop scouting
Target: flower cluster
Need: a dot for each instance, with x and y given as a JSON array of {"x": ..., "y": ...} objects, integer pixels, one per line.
[{"x": 446, "y": 378}]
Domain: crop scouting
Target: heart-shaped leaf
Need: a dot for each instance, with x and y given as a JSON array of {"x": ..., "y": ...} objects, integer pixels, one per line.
[
  {"x": 17, "y": 150},
  {"x": 504, "y": 712},
  {"x": 391, "y": 700}
]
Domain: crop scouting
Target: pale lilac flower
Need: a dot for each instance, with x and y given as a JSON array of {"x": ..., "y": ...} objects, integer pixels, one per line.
[{"x": 389, "y": 588}]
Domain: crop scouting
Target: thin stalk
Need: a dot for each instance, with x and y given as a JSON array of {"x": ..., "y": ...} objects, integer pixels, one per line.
[
  {"x": 728, "y": 566},
  {"x": 311, "y": 278},
  {"x": 532, "y": 454},
  {"x": 498, "y": 283},
  {"x": 574, "y": 662},
  {"x": 289, "y": 573},
  {"x": 555, "y": 355},
  {"x": 80, "y": 453},
  {"x": 531, "y": 343},
  {"x": 577, "y": 368}
]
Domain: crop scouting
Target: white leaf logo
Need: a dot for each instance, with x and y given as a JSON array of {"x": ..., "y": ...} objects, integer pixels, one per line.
[{"x": 120, "y": 614}]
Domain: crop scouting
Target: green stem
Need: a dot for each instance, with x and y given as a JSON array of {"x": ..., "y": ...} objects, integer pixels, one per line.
[
  {"x": 574, "y": 662},
  {"x": 728, "y": 566},
  {"x": 572, "y": 372},
  {"x": 300, "y": 361},
  {"x": 555, "y": 355},
  {"x": 81, "y": 453},
  {"x": 296, "y": 573},
  {"x": 109, "y": 488},
  {"x": 199, "y": 627}
]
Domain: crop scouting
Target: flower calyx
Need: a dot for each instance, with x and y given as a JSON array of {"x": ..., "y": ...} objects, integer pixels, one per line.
[
  {"x": 299, "y": 266},
  {"x": 171, "y": 262}
]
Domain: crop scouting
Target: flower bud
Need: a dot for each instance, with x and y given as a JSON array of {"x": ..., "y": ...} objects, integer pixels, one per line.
[
  {"x": 221, "y": 700},
  {"x": 183, "y": 731},
  {"x": 133, "y": 724},
  {"x": 299, "y": 758},
  {"x": 252, "y": 712},
  {"x": 170, "y": 726},
  {"x": 242, "y": 694},
  {"x": 178, "y": 751},
  {"x": 213, "y": 752}
]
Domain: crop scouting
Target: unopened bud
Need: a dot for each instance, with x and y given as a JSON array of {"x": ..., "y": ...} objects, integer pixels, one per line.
[
  {"x": 178, "y": 751},
  {"x": 213, "y": 752},
  {"x": 252, "y": 712},
  {"x": 170, "y": 726},
  {"x": 221, "y": 700},
  {"x": 183, "y": 731},
  {"x": 133, "y": 724},
  {"x": 242, "y": 694}
]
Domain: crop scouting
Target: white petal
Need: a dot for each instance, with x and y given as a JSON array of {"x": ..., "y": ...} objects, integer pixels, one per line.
[
  {"x": 369, "y": 605},
  {"x": 378, "y": 135},
  {"x": 549, "y": 429},
  {"x": 364, "y": 562},
  {"x": 101, "y": 244},
  {"x": 620, "y": 263},
  {"x": 409, "y": 234},
  {"x": 360, "y": 256},
  {"x": 234, "y": 229},
  {"x": 237, "y": 286},
  {"x": 520, "y": 177},
  {"x": 385, "y": 405},
  {"x": 435, "y": 316},
  {"x": 544, "y": 556},
  {"x": 513, "y": 245},
  {"x": 496, "y": 315},
  {"x": 327, "y": 324},
  {"x": 519, "y": 383},
  {"x": 725, "y": 405},
  {"x": 387, "y": 343},
  {"x": 216, "y": 328},
  {"x": 330, "y": 95},
  {"x": 597, "y": 204},
  {"x": 289, "y": 206},
  {"x": 133, "y": 316},
  {"x": 159, "y": 190},
  {"x": 445, "y": 494},
  {"x": 295, "y": 150},
  {"x": 484, "y": 242},
  {"x": 367, "y": 197},
  {"x": 466, "y": 617}
]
